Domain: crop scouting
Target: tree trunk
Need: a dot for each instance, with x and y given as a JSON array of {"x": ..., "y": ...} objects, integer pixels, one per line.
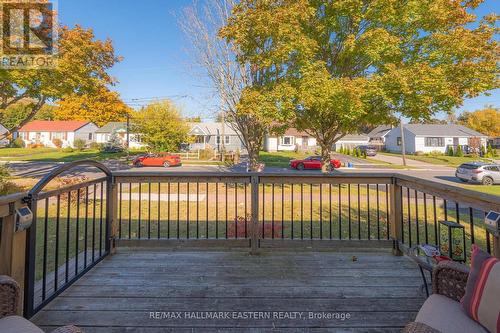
[
  {"x": 253, "y": 160},
  {"x": 325, "y": 158}
]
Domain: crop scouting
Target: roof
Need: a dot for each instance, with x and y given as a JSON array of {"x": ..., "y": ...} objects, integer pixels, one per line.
[
  {"x": 448, "y": 130},
  {"x": 380, "y": 131},
  {"x": 355, "y": 137},
  {"x": 112, "y": 127},
  {"x": 3, "y": 129},
  {"x": 211, "y": 128},
  {"x": 53, "y": 126}
]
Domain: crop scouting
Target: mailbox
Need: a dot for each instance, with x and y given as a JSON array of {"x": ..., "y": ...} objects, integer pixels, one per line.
[{"x": 24, "y": 218}]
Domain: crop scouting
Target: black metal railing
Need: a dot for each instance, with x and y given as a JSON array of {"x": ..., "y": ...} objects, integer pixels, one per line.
[{"x": 68, "y": 236}]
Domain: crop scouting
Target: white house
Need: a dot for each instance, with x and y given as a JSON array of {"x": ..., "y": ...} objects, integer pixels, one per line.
[
  {"x": 291, "y": 140},
  {"x": 45, "y": 132},
  {"x": 427, "y": 138},
  {"x": 105, "y": 133},
  {"x": 378, "y": 134}
]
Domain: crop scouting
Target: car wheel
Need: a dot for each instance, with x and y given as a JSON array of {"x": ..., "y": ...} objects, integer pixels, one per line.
[
  {"x": 166, "y": 164},
  {"x": 487, "y": 181},
  {"x": 300, "y": 166}
]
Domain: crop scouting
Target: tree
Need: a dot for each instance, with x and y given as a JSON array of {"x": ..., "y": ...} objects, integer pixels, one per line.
[
  {"x": 161, "y": 126},
  {"x": 350, "y": 63},
  {"x": 13, "y": 115},
  {"x": 81, "y": 68},
  {"x": 99, "y": 107},
  {"x": 232, "y": 80},
  {"x": 486, "y": 121}
]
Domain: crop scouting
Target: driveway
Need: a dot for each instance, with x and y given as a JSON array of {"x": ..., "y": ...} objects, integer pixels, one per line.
[{"x": 409, "y": 162}]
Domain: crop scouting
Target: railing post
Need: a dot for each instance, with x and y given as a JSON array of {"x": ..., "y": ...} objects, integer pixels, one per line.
[
  {"x": 12, "y": 246},
  {"x": 254, "y": 204},
  {"x": 112, "y": 212},
  {"x": 395, "y": 217},
  {"x": 496, "y": 247}
]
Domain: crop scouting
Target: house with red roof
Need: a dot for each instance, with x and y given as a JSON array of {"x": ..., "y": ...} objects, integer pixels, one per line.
[{"x": 46, "y": 132}]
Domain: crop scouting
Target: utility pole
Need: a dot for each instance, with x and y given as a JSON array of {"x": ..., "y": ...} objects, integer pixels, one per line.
[{"x": 403, "y": 147}]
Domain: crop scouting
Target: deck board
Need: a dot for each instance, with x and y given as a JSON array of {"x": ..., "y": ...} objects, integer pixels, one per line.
[{"x": 380, "y": 292}]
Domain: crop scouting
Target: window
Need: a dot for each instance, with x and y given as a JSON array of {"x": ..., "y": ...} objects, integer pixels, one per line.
[
  {"x": 434, "y": 142},
  {"x": 58, "y": 135},
  {"x": 493, "y": 168},
  {"x": 287, "y": 140},
  {"x": 227, "y": 140},
  {"x": 398, "y": 141},
  {"x": 90, "y": 136}
]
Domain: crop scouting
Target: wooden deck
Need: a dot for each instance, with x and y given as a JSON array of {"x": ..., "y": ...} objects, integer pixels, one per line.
[{"x": 146, "y": 291}]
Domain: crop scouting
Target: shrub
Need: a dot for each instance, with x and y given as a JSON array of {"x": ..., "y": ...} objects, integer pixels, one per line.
[
  {"x": 35, "y": 145},
  {"x": 483, "y": 150},
  {"x": 436, "y": 153},
  {"x": 419, "y": 153},
  {"x": 95, "y": 146},
  {"x": 17, "y": 143},
  {"x": 449, "y": 151},
  {"x": 57, "y": 142},
  {"x": 6, "y": 186},
  {"x": 79, "y": 144},
  {"x": 364, "y": 154},
  {"x": 207, "y": 154},
  {"x": 459, "y": 152},
  {"x": 68, "y": 150}
]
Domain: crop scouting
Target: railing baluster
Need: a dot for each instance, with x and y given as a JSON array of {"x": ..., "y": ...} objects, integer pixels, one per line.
[
  {"x": 216, "y": 210},
  {"x": 178, "y": 209},
  {"x": 86, "y": 227},
  {"x": 311, "y": 210},
  {"x": 168, "y": 209},
  {"x": 359, "y": 211},
  {"x": 378, "y": 212},
  {"x": 301, "y": 211},
  {"x": 120, "y": 208},
  {"x": 225, "y": 206},
  {"x": 129, "y": 210},
  {"x": 246, "y": 211},
  {"x": 425, "y": 220},
  {"x": 77, "y": 230},
  {"x": 445, "y": 206},
  {"x": 45, "y": 240},
  {"x": 139, "y": 213},
  {"x": 368, "y": 209},
  {"x": 330, "y": 210},
  {"x": 206, "y": 208},
  {"x": 68, "y": 218},
  {"x": 187, "y": 211},
  {"x": 56, "y": 254},
  {"x": 158, "y": 204},
  {"x": 236, "y": 210},
  {"x": 471, "y": 224},
  {"x": 340, "y": 212},
  {"x": 263, "y": 211},
  {"x": 349, "y": 210},
  {"x": 149, "y": 210},
  {"x": 416, "y": 217},
  {"x": 197, "y": 210},
  {"x": 282, "y": 210},
  {"x": 409, "y": 215},
  {"x": 320, "y": 211},
  {"x": 291, "y": 219},
  {"x": 272, "y": 211},
  {"x": 94, "y": 199},
  {"x": 100, "y": 218}
]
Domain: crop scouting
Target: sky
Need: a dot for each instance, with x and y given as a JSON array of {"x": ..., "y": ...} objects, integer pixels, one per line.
[{"x": 156, "y": 61}]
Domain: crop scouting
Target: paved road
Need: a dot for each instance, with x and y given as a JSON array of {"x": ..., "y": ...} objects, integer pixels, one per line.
[{"x": 39, "y": 169}]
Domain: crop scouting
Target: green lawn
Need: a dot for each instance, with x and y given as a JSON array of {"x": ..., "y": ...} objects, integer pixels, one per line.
[
  {"x": 495, "y": 189},
  {"x": 281, "y": 158},
  {"x": 451, "y": 161},
  {"x": 53, "y": 155}
]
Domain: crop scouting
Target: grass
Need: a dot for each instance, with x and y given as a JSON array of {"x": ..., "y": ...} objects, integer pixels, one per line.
[
  {"x": 451, "y": 161},
  {"x": 54, "y": 155},
  {"x": 494, "y": 189},
  {"x": 281, "y": 158}
]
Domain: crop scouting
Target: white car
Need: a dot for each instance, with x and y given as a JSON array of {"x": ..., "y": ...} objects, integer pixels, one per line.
[{"x": 479, "y": 172}]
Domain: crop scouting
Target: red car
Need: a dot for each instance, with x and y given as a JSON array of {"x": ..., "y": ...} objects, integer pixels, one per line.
[
  {"x": 312, "y": 162},
  {"x": 162, "y": 159}
]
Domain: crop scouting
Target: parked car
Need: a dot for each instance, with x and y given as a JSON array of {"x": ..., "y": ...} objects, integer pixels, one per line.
[
  {"x": 312, "y": 162},
  {"x": 479, "y": 172},
  {"x": 370, "y": 150},
  {"x": 161, "y": 159}
]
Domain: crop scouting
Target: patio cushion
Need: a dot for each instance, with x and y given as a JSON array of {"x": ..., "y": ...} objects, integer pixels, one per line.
[
  {"x": 481, "y": 301},
  {"x": 447, "y": 316},
  {"x": 17, "y": 324}
]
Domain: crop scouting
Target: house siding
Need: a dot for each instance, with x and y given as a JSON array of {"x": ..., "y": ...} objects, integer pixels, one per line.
[{"x": 46, "y": 138}]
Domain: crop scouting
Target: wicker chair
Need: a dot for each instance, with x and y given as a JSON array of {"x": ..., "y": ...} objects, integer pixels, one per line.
[
  {"x": 10, "y": 309},
  {"x": 442, "y": 312}
]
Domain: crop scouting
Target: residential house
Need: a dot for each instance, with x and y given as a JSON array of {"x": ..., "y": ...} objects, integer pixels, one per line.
[
  {"x": 351, "y": 141},
  {"x": 378, "y": 134},
  {"x": 45, "y": 132},
  {"x": 494, "y": 142},
  {"x": 291, "y": 140},
  {"x": 427, "y": 138},
  {"x": 119, "y": 129},
  {"x": 215, "y": 135}
]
